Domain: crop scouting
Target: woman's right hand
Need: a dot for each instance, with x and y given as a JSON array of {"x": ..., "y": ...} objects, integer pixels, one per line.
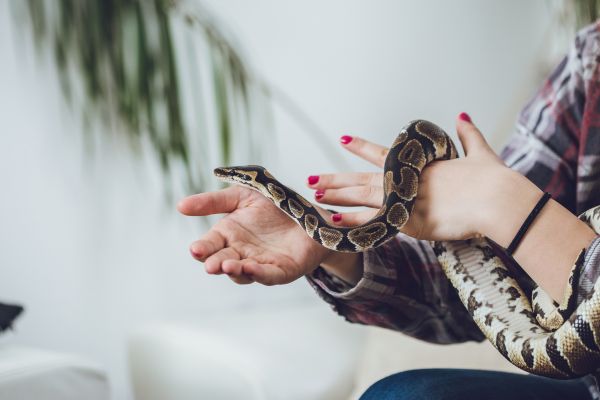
[{"x": 256, "y": 241}]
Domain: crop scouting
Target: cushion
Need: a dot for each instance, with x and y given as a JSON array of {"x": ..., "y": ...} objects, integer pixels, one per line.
[
  {"x": 295, "y": 352},
  {"x": 35, "y": 374}
]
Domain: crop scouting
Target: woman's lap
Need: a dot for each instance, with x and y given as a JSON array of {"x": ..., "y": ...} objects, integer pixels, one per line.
[{"x": 464, "y": 384}]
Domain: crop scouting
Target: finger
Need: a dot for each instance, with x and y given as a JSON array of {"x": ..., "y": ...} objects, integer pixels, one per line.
[
  {"x": 471, "y": 138},
  {"x": 353, "y": 218},
  {"x": 369, "y": 196},
  {"x": 234, "y": 269},
  {"x": 207, "y": 245},
  {"x": 218, "y": 202},
  {"x": 267, "y": 274},
  {"x": 373, "y": 153},
  {"x": 213, "y": 264},
  {"x": 335, "y": 181}
]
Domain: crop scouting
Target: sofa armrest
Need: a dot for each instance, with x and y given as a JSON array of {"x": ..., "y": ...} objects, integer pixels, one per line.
[{"x": 27, "y": 373}]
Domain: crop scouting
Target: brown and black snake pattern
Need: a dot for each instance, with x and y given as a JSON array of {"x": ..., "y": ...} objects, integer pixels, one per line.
[{"x": 537, "y": 334}]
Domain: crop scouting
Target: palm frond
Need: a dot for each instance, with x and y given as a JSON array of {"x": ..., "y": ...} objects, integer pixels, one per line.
[{"x": 120, "y": 65}]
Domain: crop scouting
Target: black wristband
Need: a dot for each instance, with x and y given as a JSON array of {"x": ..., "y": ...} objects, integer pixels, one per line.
[{"x": 519, "y": 236}]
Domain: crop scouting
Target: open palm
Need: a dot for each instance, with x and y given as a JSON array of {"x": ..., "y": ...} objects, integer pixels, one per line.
[{"x": 254, "y": 242}]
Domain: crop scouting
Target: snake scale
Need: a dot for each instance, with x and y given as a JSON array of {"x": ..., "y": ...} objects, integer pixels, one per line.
[{"x": 529, "y": 329}]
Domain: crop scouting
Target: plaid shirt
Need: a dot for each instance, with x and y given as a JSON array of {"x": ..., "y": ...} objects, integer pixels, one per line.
[{"x": 556, "y": 144}]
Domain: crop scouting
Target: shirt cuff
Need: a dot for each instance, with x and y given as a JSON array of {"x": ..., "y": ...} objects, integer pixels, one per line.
[{"x": 376, "y": 278}]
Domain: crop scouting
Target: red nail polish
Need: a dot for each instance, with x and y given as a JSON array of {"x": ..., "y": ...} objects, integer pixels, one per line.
[
  {"x": 346, "y": 139},
  {"x": 319, "y": 193},
  {"x": 464, "y": 117},
  {"x": 194, "y": 254},
  {"x": 313, "y": 179},
  {"x": 336, "y": 217}
]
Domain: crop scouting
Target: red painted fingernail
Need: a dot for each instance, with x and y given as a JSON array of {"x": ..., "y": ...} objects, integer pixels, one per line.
[
  {"x": 319, "y": 193},
  {"x": 336, "y": 217},
  {"x": 346, "y": 139},
  {"x": 313, "y": 179},
  {"x": 194, "y": 254},
  {"x": 464, "y": 116}
]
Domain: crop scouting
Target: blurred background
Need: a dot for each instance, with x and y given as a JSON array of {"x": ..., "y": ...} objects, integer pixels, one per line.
[{"x": 113, "y": 110}]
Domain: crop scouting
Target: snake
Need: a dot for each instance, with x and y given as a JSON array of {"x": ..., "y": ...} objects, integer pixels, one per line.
[{"x": 530, "y": 329}]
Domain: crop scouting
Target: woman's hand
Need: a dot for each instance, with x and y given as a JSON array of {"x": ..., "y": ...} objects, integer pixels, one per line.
[
  {"x": 255, "y": 241},
  {"x": 453, "y": 199}
]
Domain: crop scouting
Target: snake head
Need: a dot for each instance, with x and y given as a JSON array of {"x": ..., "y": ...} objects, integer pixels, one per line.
[{"x": 245, "y": 175}]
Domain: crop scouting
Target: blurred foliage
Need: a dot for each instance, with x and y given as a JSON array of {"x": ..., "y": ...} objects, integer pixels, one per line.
[
  {"x": 122, "y": 55},
  {"x": 585, "y": 12}
]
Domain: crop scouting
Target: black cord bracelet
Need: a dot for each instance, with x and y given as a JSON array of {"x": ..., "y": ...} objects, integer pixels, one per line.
[{"x": 519, "y": 236}]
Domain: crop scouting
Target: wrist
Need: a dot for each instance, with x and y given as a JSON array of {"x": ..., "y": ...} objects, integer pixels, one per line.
[
  {"x": 508, "y": 204},
  {"x": 552, "y": 241}
]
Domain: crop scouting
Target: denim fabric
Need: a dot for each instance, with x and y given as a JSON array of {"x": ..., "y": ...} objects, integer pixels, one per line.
[{"x": 465, "y": 384}]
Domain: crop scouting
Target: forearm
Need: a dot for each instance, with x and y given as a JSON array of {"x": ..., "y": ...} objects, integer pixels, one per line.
[
  {"x": 347, "y": 266},
  {"x": 553, "y": 241}
]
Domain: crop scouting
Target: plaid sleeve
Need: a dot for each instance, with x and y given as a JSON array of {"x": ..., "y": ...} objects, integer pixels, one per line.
[
  {"x": 403, "y": 287},
  {"x": 557, "y": 140},
  {"x": 546, "y": 141}
]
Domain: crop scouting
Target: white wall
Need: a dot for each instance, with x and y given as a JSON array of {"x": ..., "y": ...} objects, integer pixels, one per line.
[{"x": 87, "y": 243}]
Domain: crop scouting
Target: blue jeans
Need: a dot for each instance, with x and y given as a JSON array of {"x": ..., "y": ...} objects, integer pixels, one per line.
[{"x": 465, "y": 384}]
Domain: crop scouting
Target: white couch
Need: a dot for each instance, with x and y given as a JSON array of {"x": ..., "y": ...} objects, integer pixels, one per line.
[
  {"x": 27, "y": 374},
  {"x": 301, "y": 352},
  {"x": 296, "y": 352}
]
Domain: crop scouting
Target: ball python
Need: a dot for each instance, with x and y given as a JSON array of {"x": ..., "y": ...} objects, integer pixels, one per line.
[{"x": 532, "y": 331}]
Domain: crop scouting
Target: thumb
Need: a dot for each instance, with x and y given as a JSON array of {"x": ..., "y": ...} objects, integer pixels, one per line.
[{"x": 471, "y": 138}]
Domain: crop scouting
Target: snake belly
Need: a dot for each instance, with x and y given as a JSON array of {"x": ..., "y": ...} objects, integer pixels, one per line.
[{"x": 532, "y": 331}]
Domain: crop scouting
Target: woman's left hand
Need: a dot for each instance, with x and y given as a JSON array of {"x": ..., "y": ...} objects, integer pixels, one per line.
[{"x": 455, "y": 199}]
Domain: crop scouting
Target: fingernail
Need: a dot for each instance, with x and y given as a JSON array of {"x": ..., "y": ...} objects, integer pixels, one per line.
[
  {"x": 336, "y": 217},
  {"x": 313, "y": 179},
  {"x": 194, "y": 254},
  {"x": 346, "y": 139},
  {"x": 464, "y": 117},
  {"x": 319, "y": 193}
]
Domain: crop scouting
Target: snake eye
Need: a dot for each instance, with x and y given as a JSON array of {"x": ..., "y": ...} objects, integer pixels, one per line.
[{"x": 246, "y": 177}]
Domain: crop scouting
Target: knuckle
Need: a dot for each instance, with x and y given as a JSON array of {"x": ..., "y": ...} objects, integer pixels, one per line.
[
  {"x": 329, "y": 194},
  {"x": 374, "y": 179},
  {"x": 363, "y": 178},
  {"x": 360, "y": 146},
  {"x": 324, "y": 180},
  {"x": 369, "y": 193},
  {"x": 365, "y": 191}
]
